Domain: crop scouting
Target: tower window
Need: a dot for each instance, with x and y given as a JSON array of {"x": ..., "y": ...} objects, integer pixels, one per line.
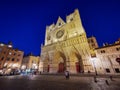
[
  {"x": 92, "y": 41},
  {"x": 71, "y": 19},
  {"x": 59, "y": 24}
]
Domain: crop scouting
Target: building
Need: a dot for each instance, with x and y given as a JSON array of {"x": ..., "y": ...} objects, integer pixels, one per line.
[
  {"x": 108, "y": 59},
  {"x": 92, "y": 42},
  {"x": 10, "y": 58},
  {"x": 66, "y": 47},
  {"x": 30, "y": 62}
]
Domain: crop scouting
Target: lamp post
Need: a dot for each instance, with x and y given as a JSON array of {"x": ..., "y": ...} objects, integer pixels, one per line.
[{"x": 93, "y": 60}]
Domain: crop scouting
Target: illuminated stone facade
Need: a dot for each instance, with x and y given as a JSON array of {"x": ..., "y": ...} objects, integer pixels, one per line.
[
  {"x": 92, "y": 42},
  {"x": 10, "y": 58},
  {"x": 108, "y": 59},
  {"x": 66, "y": 47},
  {"x": 30, "y": 62}
]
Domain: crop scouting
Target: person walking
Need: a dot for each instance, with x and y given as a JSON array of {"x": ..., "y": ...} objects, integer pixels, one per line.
[{"x": 67, "y": 75}]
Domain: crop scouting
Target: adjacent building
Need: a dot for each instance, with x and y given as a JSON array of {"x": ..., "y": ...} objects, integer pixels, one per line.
[
  {"x": 10, "y": 58},
  {"x": 92, "y": 42},
  {"x": 108, "y": 59},
  {"x": 30, "y": 62}
]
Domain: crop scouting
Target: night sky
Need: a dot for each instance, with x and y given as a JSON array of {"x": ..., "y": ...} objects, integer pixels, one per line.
[{"x": 24, "y": 21}]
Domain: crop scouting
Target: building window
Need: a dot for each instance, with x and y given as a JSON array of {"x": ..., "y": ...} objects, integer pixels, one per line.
[
  {"x": 71, "y": 19},
  {"x": 14, "y": 53},
  {"x": 107, "y": 70},
  {"x": 13, "y": 59},
  {"x": 2, "y": 58},
  {"x": 118, "y": 48},
  {"x": 117, "y": 70},
  {"x": 102, "y": 51},
  {"x": 59, "y": 24},
  {"x": 92, "y": 41}
]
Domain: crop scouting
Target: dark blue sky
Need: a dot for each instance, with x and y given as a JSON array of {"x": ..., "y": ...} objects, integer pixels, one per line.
[{"x": 24, "y": 21}]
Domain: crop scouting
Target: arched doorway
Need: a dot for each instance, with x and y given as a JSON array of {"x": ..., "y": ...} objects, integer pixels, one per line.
[
  {"x": 78, "y": 69},
  {"x": 48, "y": 69},
  {"x": 76, "y": 62},
  {"x": 60, "y": 62},
  {"x": 61, "y": 68}
]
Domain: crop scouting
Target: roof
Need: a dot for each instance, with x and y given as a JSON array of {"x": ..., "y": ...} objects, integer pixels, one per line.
[{"x": 109, "y": 45}]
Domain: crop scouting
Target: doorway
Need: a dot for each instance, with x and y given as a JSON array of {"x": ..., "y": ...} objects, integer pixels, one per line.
[
  {"x": 61, "y": 68},
  {"x": 78, "y": 67}
]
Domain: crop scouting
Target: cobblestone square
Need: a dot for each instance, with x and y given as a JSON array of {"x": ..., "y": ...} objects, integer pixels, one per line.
[{"x": 54, "y": 82}]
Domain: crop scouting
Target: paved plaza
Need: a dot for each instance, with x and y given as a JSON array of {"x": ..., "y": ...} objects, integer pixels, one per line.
[{"x": 57, "y": 82}]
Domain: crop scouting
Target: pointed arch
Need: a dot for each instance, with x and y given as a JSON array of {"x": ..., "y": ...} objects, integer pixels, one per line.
[
  {"x": 76, "y": 61},
  {"x": 60, "y": 61},
  {"x": 60, "y": 22}
]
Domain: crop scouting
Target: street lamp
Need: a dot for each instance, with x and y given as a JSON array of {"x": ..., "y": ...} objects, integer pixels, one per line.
[{"x": 93, "y": 60}]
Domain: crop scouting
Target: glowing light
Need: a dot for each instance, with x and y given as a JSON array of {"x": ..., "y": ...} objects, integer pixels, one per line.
[
  {"x": 34, "y": 66},
  {"x": 5, "y": 64},
  {"x": 10, "y": 46},
  {"x": 10, "y": 53},
  {"x": 15, "y": 65},
  {"x": 23, "y": 67}
]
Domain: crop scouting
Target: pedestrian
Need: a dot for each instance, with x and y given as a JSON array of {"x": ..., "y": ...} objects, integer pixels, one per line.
[
  {"x": 106, "y": 81},
  {"x": 95, "y": 80},
  {"x": 67, "y": 74}
]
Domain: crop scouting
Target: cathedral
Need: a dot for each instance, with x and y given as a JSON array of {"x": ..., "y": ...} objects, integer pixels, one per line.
[{"x": 66, "y": 47}]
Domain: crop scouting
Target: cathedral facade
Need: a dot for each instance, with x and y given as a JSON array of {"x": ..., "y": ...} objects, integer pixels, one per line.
[{"x": 66, "y": 47}]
